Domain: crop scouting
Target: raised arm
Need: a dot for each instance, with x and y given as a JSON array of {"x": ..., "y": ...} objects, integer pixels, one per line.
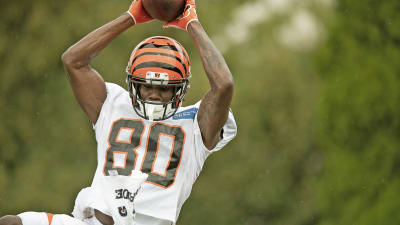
[
  {"x": 87, "y": 84},
  {"x": 214, "y": 107}
]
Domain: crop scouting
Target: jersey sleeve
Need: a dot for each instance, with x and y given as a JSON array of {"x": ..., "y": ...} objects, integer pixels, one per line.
[
  {"x": 227, "y": 134},
  {"x": 113, "y": 91}
]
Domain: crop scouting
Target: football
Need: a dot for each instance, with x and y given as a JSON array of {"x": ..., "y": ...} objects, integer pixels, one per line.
[{"x": 164, "y": 10}]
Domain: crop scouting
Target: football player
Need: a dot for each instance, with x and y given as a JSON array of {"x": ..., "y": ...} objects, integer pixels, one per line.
[{"x": 146, "y": 128}]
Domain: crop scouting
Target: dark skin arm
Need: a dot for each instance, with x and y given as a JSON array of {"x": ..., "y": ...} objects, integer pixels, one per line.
[
  {"x": 87, "y": 84},
  {"x": 214, "y": 107}
]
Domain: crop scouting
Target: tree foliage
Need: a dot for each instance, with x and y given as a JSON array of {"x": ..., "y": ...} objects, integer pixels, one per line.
[
  {"x": 317, "y": 130},
  {"x": 359, "y": 117}
]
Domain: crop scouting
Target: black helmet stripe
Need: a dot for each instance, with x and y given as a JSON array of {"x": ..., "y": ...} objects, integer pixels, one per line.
[
  {"x": 158, "y": 64},
  {"x": 169, "y": 47},
  {"x": 163, "y": 54}
]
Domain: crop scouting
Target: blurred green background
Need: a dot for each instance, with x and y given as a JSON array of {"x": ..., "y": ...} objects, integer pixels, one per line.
[{"x": 317, "y": 104}]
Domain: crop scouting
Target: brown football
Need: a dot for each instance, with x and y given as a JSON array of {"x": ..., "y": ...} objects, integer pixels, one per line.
[{"x": 165, "y": 10}]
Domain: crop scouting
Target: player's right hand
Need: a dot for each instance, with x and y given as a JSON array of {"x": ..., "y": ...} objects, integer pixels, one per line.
[{"x": 137, "y": 12}]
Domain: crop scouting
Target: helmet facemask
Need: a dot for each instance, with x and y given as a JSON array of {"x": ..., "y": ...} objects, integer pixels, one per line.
[{"x": 155, "y": 110}]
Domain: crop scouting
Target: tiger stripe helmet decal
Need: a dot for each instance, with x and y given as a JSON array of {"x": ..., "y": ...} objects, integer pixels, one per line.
[{"x": 160, "y": 54}]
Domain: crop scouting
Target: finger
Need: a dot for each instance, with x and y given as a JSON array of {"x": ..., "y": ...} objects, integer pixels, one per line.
[{"x": 168, "y": 25}]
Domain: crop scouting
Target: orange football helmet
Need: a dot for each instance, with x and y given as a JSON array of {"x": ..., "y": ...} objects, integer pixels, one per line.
[{"x": 163, "y": 61}]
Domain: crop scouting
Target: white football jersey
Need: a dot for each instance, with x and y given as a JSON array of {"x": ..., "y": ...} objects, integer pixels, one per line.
[{"x": 171, "y": 151}]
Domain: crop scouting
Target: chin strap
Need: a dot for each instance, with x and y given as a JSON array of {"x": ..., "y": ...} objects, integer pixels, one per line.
[{"x": 154, "y": 111}]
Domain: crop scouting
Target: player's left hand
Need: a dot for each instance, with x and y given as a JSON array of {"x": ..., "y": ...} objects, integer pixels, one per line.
[
  {"x": 189, "y": 15},
  {"x": 137, "y": 12}
]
